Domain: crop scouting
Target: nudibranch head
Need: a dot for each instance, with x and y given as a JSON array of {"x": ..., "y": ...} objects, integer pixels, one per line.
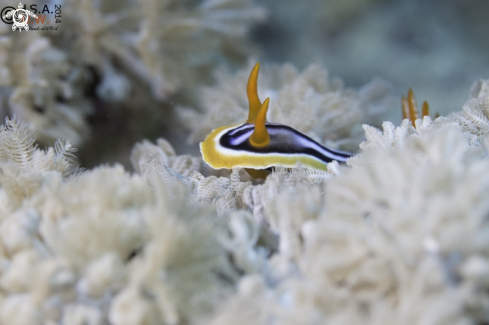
[{"x": 257, "y": 144}]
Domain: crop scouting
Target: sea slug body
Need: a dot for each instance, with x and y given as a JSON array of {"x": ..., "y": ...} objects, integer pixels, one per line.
[{"x": 258, "y": 145}]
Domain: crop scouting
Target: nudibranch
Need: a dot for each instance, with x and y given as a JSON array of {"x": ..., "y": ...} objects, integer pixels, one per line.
[{"x": 258, "y": 145}]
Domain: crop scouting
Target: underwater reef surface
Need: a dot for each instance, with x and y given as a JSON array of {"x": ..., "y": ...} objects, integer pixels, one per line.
[
  {"x": 145, "y": 232},
  {"x": 130, "y": 65},
  {"x": 109, "y": 62},
  {"x": 402, "y": 230}
]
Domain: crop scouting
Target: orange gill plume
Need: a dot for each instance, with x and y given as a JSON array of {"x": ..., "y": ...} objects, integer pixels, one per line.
[{"x": 410, "y": 108}]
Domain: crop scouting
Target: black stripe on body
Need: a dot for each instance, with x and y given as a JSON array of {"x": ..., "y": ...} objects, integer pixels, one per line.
[{"x": 283, "y": 140}]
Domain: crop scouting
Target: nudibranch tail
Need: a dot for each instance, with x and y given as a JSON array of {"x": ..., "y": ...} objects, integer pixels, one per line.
[
  {"x": 260, "y": 137},
  {"x": 252, "y": 91}
]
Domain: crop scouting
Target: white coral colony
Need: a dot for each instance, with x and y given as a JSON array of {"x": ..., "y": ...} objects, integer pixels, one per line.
[{"x": 257, "y": 144}]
